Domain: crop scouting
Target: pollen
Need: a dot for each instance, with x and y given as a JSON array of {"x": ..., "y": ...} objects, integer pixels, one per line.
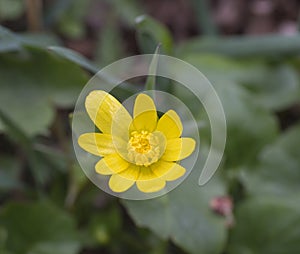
[{"x": 143, "y": 148}]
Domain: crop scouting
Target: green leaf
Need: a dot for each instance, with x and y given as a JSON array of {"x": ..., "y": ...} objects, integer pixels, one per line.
[
  {"x": 274, "y": 87},
  {"x": 37, "y": 164},
  {"x": 34, "y": 227},
  {"x": 75, "y": 57},
  {"x": 40, "y": 40},
  {"x": 32, "y": 83},
  {"x": 126, "y": 88},
  {"x": 8, "y": 40},
  {"x": 184, "y": 215},
  {"x": 243, "y": 46},
  {"x": 277, "y": 172},
  {"x": 250, "y": 125},
  {"x": 266, "y": 225},
  {"x": 279, "y": 89},
  {"x": 151, "y": 33}
]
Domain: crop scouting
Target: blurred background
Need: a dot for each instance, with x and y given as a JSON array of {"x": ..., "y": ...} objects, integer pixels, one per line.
[{"x": 249, "y": 50}]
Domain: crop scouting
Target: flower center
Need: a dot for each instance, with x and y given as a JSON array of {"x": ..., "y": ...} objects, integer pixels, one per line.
[
  {"x": 143, "y": 148},
  {"x": 140, "y": 141}
]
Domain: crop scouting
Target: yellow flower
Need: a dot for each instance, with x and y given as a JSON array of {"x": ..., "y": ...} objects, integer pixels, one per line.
[{"x": 142, "y": 150}]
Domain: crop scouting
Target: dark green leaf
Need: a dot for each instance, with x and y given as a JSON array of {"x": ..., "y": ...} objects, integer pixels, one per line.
[
  {"x": 184, "y": 215},
  {"x": 33, "y": 228},
  {"x": 268, "y": 226},
  {"x": 278, "y": 170},
  {"x": 32, "y": 83}
]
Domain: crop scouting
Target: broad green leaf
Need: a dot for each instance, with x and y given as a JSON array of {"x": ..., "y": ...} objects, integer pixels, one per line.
[
  {"x": 277, "y": 172},
  {"x": 36, "y": 162},
  {"x": 126, "y": 88},
  {"x": 249, "y": 125},
  {"x": 32, "y": 82},
  {"x": 151, "y": 33},
  {"x": 40, "y": 40},
  {"x": 266, "y": 225},
  {"x": 184, "y": 215},
  {"x": 10, "y": 41},
  {"x": 274, "y": 87},
  {"x": 75, "y": 57},
  {"x": 31, "y": 227},
  {"x": 279, "y": 89}
]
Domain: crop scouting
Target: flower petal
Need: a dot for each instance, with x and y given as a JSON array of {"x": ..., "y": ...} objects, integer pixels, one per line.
[
  {"x": 167, "y": 170},
  {"x": 145, "y": 115},
  {"x": 132, "y": 172},
  {"x": 178, "y": 149},
  {"x": 97, "y": 143},
  {"x": 146, "y": 173},
  {"x": 174, "y": 173},
  {"x": 170, "y": 124},
  {"x": 143, "y": 103},
  {"x": 151, "y": 185},
  {"x": 103, "y": 109},
  {"x": 118, "y": 183},
  {"x": 111, "y": 164}
]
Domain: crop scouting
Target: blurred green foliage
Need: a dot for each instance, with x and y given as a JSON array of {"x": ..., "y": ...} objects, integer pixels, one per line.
[{"x": 48, "y": 205}]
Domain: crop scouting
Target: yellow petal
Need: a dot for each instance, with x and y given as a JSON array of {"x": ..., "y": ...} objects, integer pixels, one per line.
[
  {"x": 103, "y": 109},
  {"x": 118, "y": 183},
  {"x": 131, "y": 173},
  {"x": 111, "y": 164},
  {"x": 145, "y": 115},
  {"x": 170, "y": 124},
  {"x": 178, "y": 149},
  {"x": 146, "y": 173},
  {"x": 174, "y": 173},
  {"x": 96, "y": 143},
  {"x": 143, "y": 103},
  {"x": 168, "y": 170},
  {"x": 153, "y": 185}
]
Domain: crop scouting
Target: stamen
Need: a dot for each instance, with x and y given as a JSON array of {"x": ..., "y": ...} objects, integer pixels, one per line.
[{"x": 143, "y": 148}]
